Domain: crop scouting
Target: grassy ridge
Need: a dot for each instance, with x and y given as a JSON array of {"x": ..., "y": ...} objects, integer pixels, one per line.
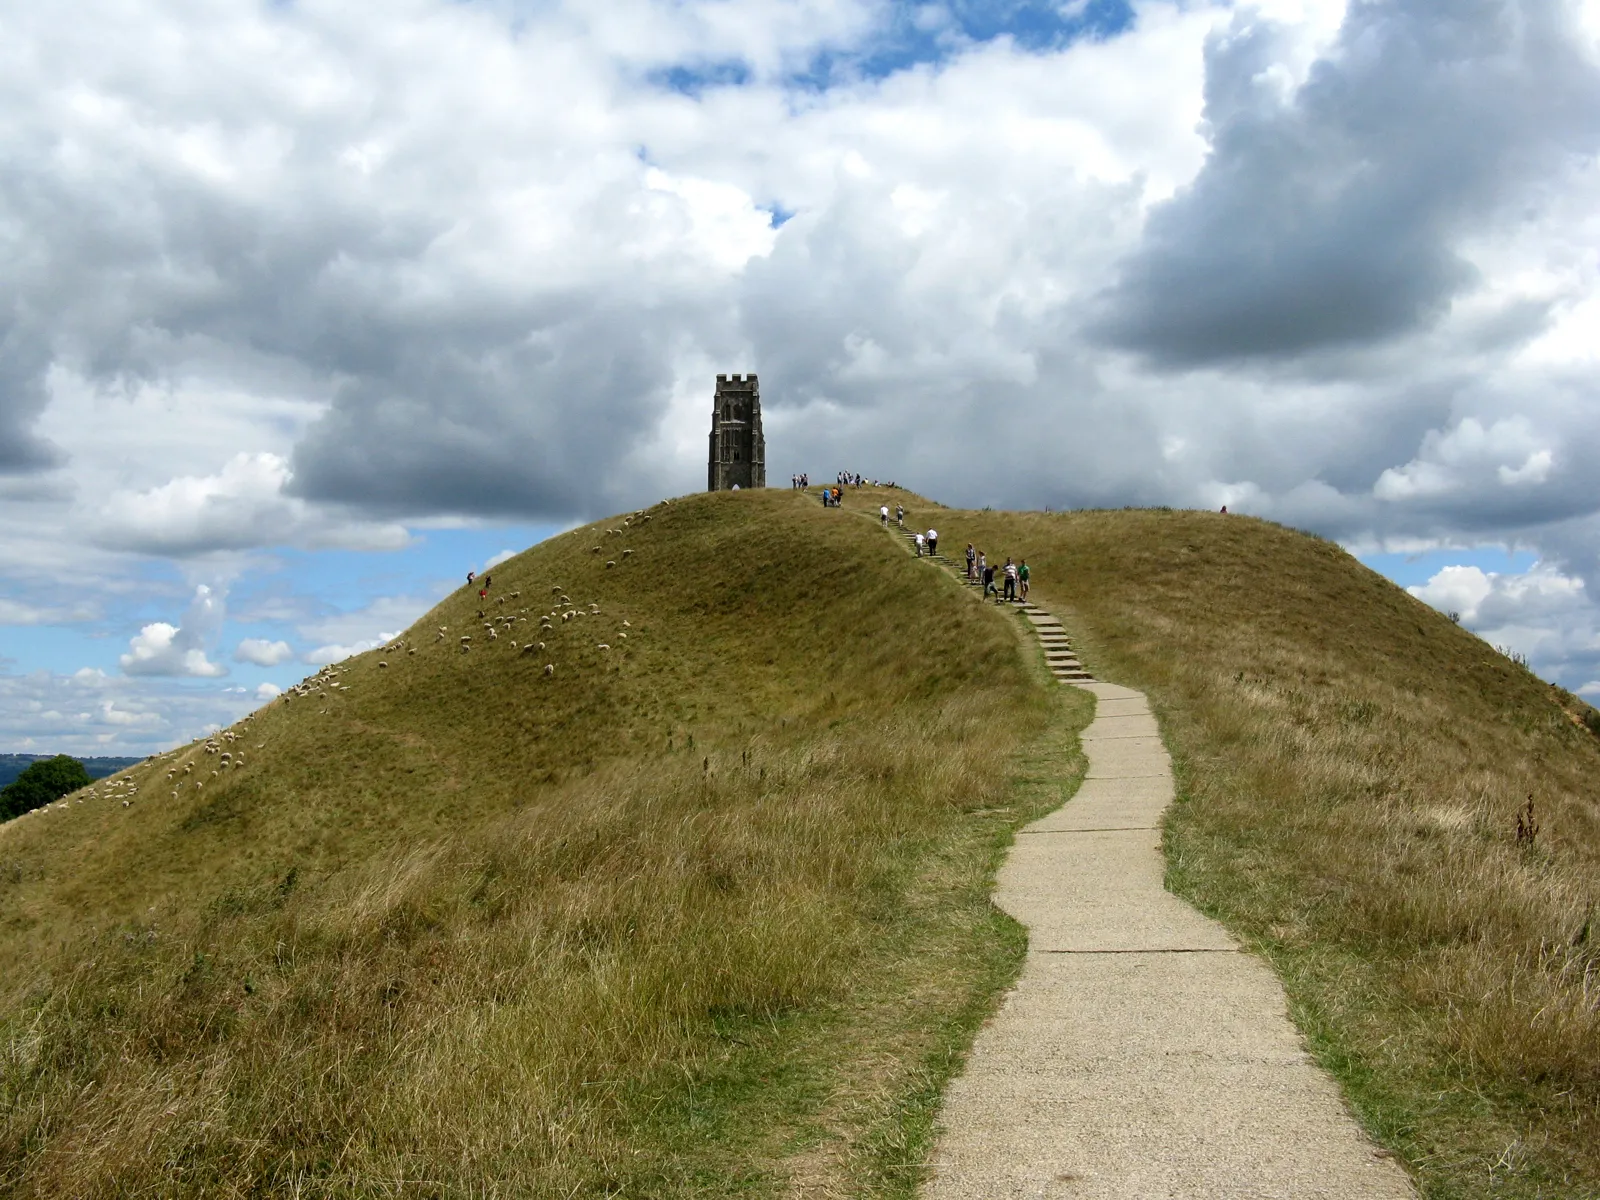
[
  {"x": 703, "y": 912},
  {"x": 1351, "y": 769}
]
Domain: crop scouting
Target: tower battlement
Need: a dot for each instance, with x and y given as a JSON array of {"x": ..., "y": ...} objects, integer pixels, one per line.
[{"x": 738, "y": 448}]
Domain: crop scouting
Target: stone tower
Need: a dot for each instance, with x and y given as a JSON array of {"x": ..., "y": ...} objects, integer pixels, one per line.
[{"x": 738, "y": 449}]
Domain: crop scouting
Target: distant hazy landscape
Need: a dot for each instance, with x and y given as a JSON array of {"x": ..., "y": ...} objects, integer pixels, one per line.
[{"x": 12, "y": 765}]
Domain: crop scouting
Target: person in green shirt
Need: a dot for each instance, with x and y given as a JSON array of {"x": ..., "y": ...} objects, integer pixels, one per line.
[{"x": 1022, "y": 578}]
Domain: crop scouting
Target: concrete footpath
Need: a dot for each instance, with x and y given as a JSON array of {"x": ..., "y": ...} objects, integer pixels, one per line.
[{"x": 1141, "y": 1054}]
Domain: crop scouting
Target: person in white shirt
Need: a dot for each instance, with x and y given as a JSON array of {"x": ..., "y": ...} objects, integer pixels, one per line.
[
  {"x": 919, "y": 545},
  {"x": 933, "y": 541},
  {"x": 883, "y": 514}
]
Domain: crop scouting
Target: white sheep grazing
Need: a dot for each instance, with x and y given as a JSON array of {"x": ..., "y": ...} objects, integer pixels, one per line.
[
  {"x": 627, "y": 553},
  {"x": 383, "y": 664},
  {"x": 626, "y": 625},
  {"x": 516, "y": 595},
  {"x": 594, "y": 549},
  {"x": 623, "y": 636},
  {"x": 413, "y": 650},
  {"x": 603, "y": 646},
  {"x": 611, "y": 564},
  {"x": 555, "y": 589},
  {"x": 549, "y": 668}
]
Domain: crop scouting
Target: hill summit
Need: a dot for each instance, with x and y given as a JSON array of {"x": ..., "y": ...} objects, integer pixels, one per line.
[{"x": 663, "y": 869}]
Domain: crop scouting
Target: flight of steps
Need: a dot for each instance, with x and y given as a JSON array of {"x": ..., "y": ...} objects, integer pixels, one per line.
[{"x": 1058, "y": 654}]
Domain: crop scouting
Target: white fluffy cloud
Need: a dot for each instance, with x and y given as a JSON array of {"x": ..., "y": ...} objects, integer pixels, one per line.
[
  {"x": 1545, "y": 615},
  {"x": 241, "y": 506},
  {"x": 163, "y": 649},
  {"x": 302, "y": 275},
  {"x": 262, "y": 652}
]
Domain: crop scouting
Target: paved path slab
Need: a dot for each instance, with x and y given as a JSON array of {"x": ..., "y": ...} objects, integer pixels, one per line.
[{"x": 1142, "y": 1054}]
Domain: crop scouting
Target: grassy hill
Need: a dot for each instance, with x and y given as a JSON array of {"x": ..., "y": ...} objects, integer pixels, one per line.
[
  {"x": 704, "y": 912},
  {"x": 1352, "y": 767}
]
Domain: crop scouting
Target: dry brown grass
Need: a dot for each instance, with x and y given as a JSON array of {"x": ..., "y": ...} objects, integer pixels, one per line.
[
  {"x": 1351, "y": 769},
  {"x": 699, "y": 913}
]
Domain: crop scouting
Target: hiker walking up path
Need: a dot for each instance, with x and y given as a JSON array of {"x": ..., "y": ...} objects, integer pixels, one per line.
[{"x": 1141, "y": 1053}]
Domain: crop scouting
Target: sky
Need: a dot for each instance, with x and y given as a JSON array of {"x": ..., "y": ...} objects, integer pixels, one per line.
[{"x": 307, "y": 308}]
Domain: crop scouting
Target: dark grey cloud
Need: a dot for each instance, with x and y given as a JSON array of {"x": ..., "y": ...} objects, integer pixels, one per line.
[
  {"x": 24, "y": 358},
  {"x": 1332, "y": 217},
  {"x": 526, "y": 417}
]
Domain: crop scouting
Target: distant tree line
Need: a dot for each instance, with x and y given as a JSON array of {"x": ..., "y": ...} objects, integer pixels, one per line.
[{"x": 44, "y": 781}]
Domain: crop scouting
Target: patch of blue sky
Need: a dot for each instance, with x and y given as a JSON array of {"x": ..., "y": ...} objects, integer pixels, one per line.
[
  {"x": 918, "y": 34},
  {"x": 59, "y": 649},
  {"x": 929, "y": 34},
  {"x": 278, "y": 598},
  {"x": 695, "y": 79},
  {"x": 1411, "y": 570}
]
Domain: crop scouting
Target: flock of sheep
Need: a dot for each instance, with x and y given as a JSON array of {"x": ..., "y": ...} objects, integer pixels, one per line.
[
  {"x": 326, "y": 684},
  {"x": 127, "y": 786}
]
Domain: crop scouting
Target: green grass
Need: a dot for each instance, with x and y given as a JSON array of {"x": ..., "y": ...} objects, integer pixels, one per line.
[
  {"x": 703, "y": 913},
  {"x": 706, "y": 913},
  {"x": 1350, "y": 768}
]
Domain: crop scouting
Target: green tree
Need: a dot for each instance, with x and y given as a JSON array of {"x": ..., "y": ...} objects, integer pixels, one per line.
[{"x": 46, "y": 780}]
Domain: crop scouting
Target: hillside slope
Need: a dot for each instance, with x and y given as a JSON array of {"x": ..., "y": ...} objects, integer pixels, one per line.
[
  {"x": 449, "y": 924},
  {"x": 1352, "y": 768}
]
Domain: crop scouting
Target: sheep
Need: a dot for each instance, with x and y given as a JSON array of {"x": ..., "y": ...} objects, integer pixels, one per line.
[
  {"x": 594, "y": 549},
  {"x": 383, "y": 664},
  {"x": 626, "y": 625},
  {"x": 549, "y": 668},
  {"x": 555, "y": 589},
  {"x": 627, "y": 553},
  {"x": 603, "y": 646},
  {"x": 413, "y": 650},
  {"x": 516, "y": 595},
  {"x": 611, "y": 564},
  {"x": 623, "y": 636}
]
